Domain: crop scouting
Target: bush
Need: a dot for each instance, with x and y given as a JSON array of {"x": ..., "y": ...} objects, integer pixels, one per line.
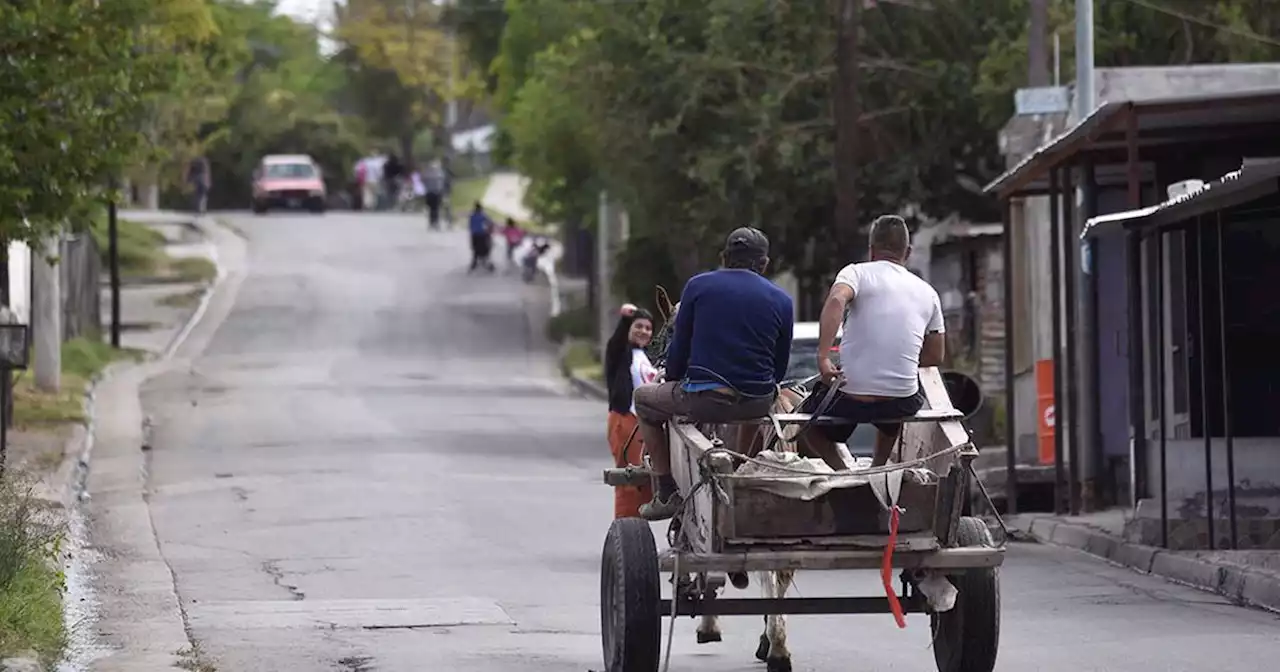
[
  {"x": 575, "y": 322},
  {"x": 31, "y": 580}
]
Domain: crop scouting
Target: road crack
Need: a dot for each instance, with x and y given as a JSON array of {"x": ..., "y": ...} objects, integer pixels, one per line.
[{"x": 277, "y": 576}]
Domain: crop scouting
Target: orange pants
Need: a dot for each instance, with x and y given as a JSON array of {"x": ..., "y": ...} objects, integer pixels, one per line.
[{"x": 627, "y": 498}]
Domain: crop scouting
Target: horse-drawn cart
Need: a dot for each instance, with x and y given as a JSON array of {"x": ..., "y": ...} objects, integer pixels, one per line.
[{"x": 775, "y": 516}]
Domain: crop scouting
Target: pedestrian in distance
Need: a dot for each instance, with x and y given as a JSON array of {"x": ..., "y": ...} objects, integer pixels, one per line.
[
  {"x": 434, "y": 186},
  {"x": 513, "y": 235},
  {"x": 481, "y": 228},
  {"x": 626, "y": 367},
  {"x": 197, "y": 177}
]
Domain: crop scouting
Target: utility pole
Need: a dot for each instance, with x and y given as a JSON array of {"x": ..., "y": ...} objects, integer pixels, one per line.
[
  {"x": 847, "y": 108},
  {"x": 451, "y": 111},
  {"x": 1037, "y": 45},
  {"x": 46, "y": 313},
  {"x": 1084, "y": 58}
]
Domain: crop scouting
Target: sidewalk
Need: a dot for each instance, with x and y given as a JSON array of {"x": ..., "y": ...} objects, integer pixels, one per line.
[
  {"x": 505, "y": 196},
  {"x": 1249, "y": 577},
  {"x": 155, "y": 311}
]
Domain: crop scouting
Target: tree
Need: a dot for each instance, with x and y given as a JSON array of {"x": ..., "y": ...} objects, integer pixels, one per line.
[
  {"x": 480, "y": 25},
  {"x": 703, "y": 115},
  {"x": 398, "y": 58},
  {"x": 281, "y": 96},
  {"x": 76, "y": 77}
]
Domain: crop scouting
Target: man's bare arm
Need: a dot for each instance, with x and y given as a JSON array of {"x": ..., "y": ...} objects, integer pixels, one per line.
[
  {"x": 934, "y": 349},
  {"x": 832, "y": 314}
]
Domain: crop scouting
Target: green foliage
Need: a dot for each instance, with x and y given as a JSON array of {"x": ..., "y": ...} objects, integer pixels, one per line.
[
  {"x": 703, "y": 115},
  {"x": 31, "y": 580},
  {"x": 74, "y": 79},
  {"x": 575, "y": 322},
  {"x": 278, "y": 95}
]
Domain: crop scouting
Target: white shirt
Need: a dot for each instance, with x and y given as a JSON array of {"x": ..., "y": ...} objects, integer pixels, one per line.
[
  {"x": 891, "y": 311},
  {"x": 642, "y": 372}
]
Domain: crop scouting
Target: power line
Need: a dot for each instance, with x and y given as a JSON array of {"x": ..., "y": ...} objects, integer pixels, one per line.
[{"x": 1191, "y": 18}]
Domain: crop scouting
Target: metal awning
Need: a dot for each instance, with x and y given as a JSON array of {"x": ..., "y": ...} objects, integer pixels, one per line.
[
  {"x": 1255, "y": 178},
  {"x": 1104, "y": 135}
]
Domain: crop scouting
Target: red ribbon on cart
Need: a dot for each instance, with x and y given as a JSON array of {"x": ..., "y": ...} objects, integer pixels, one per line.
[{"x": 886, "y": 569}]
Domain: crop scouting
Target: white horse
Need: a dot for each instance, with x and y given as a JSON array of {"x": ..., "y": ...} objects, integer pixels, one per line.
[{"x": 773, "y": 585}]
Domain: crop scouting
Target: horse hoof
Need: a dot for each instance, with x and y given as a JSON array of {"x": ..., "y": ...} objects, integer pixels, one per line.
[
  {"x": 778, "y": 664},
  {"x": 762, "y": 651},
  {"x": 708, "y": 637},
  {"x": 739, "y": 580}
]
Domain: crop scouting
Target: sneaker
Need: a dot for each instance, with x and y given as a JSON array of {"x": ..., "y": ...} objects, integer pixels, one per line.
[{"x": 659, "y": 509}]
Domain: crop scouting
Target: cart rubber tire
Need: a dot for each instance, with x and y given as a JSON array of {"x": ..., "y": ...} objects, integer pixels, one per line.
[
  {"x": 630, "y": 591},
  {"x": 966, "y": 638}
]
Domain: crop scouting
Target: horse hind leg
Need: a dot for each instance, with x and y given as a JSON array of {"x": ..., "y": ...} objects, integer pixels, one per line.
[
  {"x": 709, "y": 629},
  {"x": 778, "y": 658},
  {"x": 767, "y": 591}
]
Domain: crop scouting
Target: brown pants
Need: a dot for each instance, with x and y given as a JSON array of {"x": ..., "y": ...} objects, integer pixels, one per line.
[
  {"x": 627, "y": 498},
  {"x": 656, "y": 403}
]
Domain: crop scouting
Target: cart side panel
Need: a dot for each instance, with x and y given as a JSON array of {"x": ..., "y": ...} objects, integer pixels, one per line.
[
  {"x": 844, "y": 511},
  {"x": 921, "y": 439},
  {"x": 687, "y": 447}
]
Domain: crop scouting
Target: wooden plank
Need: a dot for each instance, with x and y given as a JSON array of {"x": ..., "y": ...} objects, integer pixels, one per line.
[
  {"x": 924, "y": 439},
  {"x": 824, "y": 559},
  {"x": 925, "y": 415},
  {"x": 843, "y": 511},
  {"x": 688, "y": 446},
  {"x": 911, "y": 542}
]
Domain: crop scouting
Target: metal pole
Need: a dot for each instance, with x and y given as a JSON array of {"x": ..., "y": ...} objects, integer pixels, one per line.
[
  {"x": 1057, "y": 59},
  {"x": 1071, "y": 320},
  {"x": 1160, "y": 395},
  {"x": 1010, "y": 424},
  {"x": 1137, "y": 384},
  {"x": 1084, "y": 58},
  {"x": 1226, "y": 387},
  {"x": 1103, "y": 491},
  {"x": 1202, "y": 350},
  {"x": 1055, "y": 282},
  {"x": 113, "y": 260},
  {"x": 4, "y": 419}
]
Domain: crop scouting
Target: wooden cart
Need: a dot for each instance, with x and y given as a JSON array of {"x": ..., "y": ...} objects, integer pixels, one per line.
[{"x": 730, "y": 528}]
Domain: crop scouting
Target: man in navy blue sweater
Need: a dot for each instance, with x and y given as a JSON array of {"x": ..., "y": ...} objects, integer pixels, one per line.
[{"x": 730, "y": 347}]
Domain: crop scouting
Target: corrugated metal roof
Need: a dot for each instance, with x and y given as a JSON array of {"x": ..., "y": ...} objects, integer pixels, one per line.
[
  {"x": 1216, "y": 106},
  {"x": 1235, "y": 183}
]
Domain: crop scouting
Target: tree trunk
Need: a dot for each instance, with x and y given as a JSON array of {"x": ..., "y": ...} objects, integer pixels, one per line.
[
  {"x": 406, "y": 148},
  {"x": 847, "y": 108}
]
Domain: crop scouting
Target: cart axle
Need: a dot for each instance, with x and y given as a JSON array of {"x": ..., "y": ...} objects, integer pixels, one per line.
[{"x": 914, "y": 604}]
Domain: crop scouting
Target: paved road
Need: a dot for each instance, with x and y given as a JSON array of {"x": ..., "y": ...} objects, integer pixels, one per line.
[{"x": 372, "y": 467}]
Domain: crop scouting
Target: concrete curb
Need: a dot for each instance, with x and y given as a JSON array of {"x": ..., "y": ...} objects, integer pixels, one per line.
[
  {"x": 140, "y": 604},
  {"x": 588, "y": 388},
  {"x": 1239, "y": 584}
]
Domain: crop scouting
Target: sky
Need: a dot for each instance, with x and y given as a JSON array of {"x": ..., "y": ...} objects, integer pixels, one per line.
[{"x": 307, "y": 10}]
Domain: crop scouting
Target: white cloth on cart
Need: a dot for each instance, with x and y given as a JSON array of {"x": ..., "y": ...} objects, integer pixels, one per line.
[{"x": 791, "y": 485}]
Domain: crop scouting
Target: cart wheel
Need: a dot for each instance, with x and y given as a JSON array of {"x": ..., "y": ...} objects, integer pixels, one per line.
[
  {"x": 630, "y": 623},
  {"x": 966, "y": 638}
]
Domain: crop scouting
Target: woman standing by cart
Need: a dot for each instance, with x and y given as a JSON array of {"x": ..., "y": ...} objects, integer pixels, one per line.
[{"x": 626, "y": 367}]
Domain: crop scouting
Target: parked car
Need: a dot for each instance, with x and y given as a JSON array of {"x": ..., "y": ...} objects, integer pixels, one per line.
[
  {"x": 288, "y": 181},
  {"x": 804, "y": 364}
]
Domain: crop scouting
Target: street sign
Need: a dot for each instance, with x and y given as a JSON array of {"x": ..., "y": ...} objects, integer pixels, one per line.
[{"x": 1042, "y": 100}]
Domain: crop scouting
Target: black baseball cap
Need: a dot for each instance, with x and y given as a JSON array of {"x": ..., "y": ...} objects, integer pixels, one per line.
[{"x": 747, "y": 241}]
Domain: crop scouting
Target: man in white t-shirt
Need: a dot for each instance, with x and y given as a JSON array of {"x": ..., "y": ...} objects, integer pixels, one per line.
[{"x": 893, "y": 327}]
